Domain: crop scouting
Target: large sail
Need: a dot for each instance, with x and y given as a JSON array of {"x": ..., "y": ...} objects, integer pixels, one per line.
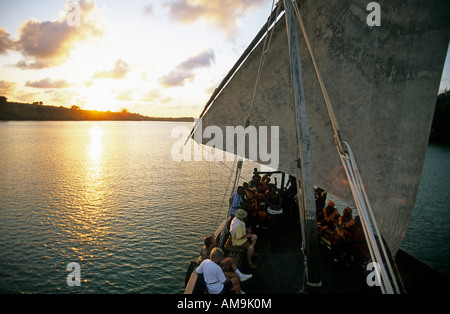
[{"x": 382, "y": 82}]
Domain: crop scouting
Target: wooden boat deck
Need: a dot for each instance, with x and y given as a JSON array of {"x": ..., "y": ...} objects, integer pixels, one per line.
[
  {"x": 280, "y": 265},
  {"x": 280, "y": 268}
]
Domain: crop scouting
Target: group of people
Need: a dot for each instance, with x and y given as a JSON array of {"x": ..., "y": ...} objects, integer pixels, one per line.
[
  {"x": 249, "y": 207},
  {"x": 253, "y": 203},
  {"x": 220, "y": 273},
  {"x": 257, "y": 198},
  {"x": 343, "y": 231}
]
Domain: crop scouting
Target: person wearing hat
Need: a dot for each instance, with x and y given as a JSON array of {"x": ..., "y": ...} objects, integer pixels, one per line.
[
  {"x": 241, "y": 238},
  {"x": 329, "y": 219}
]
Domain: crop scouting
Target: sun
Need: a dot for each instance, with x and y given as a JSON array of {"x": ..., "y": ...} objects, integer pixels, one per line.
[{"x": 99, "y": 96}]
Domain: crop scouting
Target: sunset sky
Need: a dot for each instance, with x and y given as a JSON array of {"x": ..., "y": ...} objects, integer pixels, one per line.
[{"x": 157, "y": 58}]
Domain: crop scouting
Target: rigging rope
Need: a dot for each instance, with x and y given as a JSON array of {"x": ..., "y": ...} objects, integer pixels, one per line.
[
  {"x": 357, "y": 187},
  {"x": 265, "y": 48},
  {"x": 266, "y": 45},
  {"x": 239, "y": 161}
]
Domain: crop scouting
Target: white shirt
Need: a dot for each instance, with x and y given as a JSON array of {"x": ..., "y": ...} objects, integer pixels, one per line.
[{"x": 213, "y": 275}]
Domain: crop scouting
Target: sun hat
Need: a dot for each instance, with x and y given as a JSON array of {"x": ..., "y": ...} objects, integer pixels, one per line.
[{"x": 241, "y": 214}]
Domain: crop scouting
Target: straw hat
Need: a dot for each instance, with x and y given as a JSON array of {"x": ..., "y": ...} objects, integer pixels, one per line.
[{"x": 241, "y": 214}]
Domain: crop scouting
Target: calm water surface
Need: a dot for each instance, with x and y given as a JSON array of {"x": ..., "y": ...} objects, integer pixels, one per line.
[
  {"x": 109, "y": 196},
  {"x": 106, "y": 195},
  {"x": 428, "y": 233}
]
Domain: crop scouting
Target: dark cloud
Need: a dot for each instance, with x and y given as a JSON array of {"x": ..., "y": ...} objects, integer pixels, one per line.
[
  {"x": 49, "y": 43},
  {"x": 185, "y": 70},
  {"x": 5, "y": 42}
]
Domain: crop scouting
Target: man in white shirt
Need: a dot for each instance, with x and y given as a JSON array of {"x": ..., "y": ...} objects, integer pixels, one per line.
[{"x": 215, "y": 279}]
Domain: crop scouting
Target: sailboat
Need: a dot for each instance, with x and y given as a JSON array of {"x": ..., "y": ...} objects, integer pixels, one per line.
[{"x": 351, "y": 86}]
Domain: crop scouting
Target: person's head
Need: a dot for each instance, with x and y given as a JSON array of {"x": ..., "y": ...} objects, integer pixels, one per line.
[
  {"x": 240, "y": 190},
  {"x": 347, "y": 211},
  {"x": 210, "y": 241},
  {"x": 216, "y": 254},
  {"x": 240, "y": 214}
]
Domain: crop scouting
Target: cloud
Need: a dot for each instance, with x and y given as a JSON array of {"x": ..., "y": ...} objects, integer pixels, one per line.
[
  {"x": 119, "y": 71},
  {"x": 185, "y": 70},
  {"x": 176, "y": 78},
  {"x": 49, "y": 43},
  {"x": 6, "y": 87},
  {"x": 224, "y": 13},
  {"x": 34, "y": 65},
  {"x": 47, "y": 83},
  {"x": 5, "y": 42}
]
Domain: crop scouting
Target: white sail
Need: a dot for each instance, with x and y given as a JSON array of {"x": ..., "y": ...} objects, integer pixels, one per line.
[{"x": 382, "y": 82}]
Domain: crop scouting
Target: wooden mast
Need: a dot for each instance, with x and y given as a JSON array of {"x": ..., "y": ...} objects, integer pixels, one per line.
[{"x": 307, "y": 204}]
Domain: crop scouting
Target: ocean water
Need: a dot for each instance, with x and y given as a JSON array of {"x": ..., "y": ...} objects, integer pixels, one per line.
[
  {"x": 110, "y": 197},
  {"x": 428, "y": 233},
  {"x": 106, "y": 195}
]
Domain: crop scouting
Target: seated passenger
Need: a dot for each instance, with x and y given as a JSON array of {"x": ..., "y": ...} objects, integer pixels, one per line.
[
  {"x": 255, "y": 182},
  {"x": 249, "y": 193},
  {"x": 241, "y": 238},
  {"x": 226, "y": 263},
  {"x": 216, "y": 282},
  {"x": 343, "y": 246},
  {"x": 330, "y": 218},
  {"x": 264, "y": 184},
  {"x": 238, "y": 199},
  {"x": 346, "y": 225},
  {"x": 256, "y": 215},
  {"x": 273, "y": 199}
]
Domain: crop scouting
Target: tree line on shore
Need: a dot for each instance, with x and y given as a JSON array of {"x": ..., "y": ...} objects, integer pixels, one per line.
[
  {"x": 37, "y": 111},
  {"x": 440, "y": 129}
]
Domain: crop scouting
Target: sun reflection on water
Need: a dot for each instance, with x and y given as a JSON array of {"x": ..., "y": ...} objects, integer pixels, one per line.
[
  {"x": 92, "y": 202},
  {"x": 95, "y": 146}
]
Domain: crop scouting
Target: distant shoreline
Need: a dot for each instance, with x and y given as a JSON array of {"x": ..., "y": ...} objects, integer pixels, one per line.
[{"x": 13, "y": 111}]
